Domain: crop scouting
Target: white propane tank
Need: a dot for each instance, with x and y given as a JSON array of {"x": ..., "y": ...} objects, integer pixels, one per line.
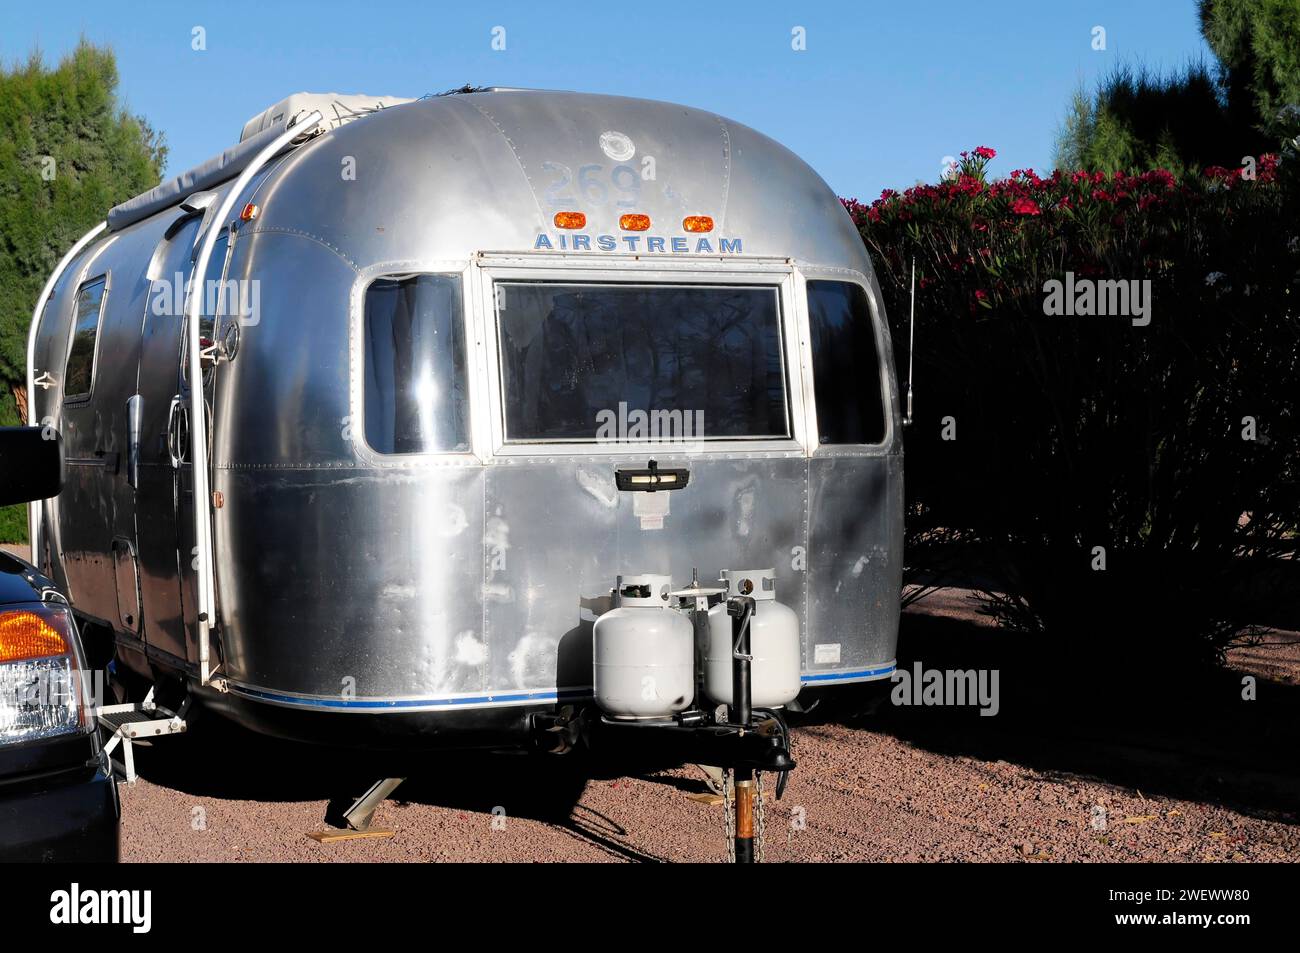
[
  {"x": 643, "y": 652},
  {"x": 773, "y": 642}
]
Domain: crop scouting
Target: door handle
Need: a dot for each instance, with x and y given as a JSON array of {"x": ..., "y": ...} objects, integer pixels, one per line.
[
  {"x": 134, "y": 419},
  {"x": 175, "y": 439}
]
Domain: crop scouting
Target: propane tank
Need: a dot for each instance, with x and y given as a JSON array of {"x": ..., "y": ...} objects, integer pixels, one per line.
[
  {"x": 643, "y": 652},
  {"x": 773, "y": 642}
]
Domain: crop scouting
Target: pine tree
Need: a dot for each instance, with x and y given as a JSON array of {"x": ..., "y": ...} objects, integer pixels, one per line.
[
  {"x": 1243, "y": 105},
  {"x": 69, "y": 151},
  {"x": 1257, "y": 43}
]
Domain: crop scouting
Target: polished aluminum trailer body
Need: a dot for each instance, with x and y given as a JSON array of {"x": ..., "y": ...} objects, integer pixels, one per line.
[{"x": 422, "y": 593}]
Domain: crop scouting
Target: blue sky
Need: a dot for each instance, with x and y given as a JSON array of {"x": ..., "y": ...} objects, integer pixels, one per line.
[{"x": 883, "y": 92}]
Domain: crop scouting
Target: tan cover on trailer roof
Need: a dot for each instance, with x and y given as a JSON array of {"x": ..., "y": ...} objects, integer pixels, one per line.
[
  {"x": 261, "y": 129},
  {"x": 337, "y": 108}
]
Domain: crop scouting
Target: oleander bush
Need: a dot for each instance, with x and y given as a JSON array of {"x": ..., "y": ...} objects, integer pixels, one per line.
[{"x": 1128, "y": 481}]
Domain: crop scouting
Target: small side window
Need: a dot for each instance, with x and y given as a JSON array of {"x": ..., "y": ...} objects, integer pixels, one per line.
[
  {"x": 846, "y": 364},
  {"x": 416, "y": 396},
  {"x": 216, "y": 296},
  {"x": 79, "y": 373}
]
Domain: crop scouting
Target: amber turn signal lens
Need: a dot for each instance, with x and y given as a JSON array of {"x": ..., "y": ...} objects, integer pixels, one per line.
[
  {"x": 697, "y": 223},
  {"x": 570, "y": 220},
  {"x": 249, "y": 213},
  {"x": 27, "y": 635},
  {"x": 634, "y": 223}
]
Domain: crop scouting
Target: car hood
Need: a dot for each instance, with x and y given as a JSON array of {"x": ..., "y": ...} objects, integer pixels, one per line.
[{"x": 19, "y": 581}]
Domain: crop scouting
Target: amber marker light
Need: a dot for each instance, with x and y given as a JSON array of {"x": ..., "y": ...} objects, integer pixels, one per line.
[
  {"x": 29, "y": 635},
  {"x": 249, "y": 213},
  {"x": 634, "y": 222},
  {"x": 570, "y": 220},
  {"x": 697, "y": 223}
]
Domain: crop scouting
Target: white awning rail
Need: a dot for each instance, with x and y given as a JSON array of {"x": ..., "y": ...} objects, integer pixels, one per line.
[
  {"x": 198, "y": 419},
  {"x": 35, "y": 509}
]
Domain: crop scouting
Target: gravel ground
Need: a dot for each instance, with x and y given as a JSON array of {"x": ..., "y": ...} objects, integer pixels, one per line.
[
  {"x": 861, "y": 795},
  {"x": 867, "y": 788}
]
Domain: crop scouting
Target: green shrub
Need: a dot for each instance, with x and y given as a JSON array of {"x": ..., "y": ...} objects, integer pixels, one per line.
[
  {"x": 69, "y": 151},
  {"x": 13, "y": 519}
]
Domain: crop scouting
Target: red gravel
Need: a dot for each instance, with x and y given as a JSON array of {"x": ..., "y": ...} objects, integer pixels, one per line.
[{"x": 864, "y": 797}]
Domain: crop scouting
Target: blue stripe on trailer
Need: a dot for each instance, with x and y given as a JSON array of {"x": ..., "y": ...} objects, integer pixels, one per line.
[
  {"x": 843, "y": 676},
  {"x": 343, "y": 704},
  {"x": 497, "y": 698}
]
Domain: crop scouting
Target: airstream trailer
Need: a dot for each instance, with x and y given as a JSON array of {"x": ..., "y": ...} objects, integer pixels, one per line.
[{"x": 365, "y": 417}]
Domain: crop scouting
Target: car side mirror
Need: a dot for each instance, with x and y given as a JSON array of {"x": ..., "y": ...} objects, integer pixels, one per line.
[{"x": 31, "y": 464}]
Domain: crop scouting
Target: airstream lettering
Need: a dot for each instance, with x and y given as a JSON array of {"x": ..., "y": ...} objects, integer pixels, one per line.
[
  {"x": 446, "y": 553},
  {"x": 654, "y": 244}
]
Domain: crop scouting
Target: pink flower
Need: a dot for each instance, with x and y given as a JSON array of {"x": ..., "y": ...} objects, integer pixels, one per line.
[
  {"x": 1026, "y": 207},
  {"x": 984, "y": 152}
]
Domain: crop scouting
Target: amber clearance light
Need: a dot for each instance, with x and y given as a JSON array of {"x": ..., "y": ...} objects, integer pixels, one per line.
[
  {"x": 570, "y": 220},
  {"x": 634, "y": 222},
  {"x": 697, "y": 223},
  {"x": 25, "y": 634}
]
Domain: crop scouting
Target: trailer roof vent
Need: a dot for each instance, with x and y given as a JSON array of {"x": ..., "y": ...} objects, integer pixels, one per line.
[{"x": 337, "y": 108}]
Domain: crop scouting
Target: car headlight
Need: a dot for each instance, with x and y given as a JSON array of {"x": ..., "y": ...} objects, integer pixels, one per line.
[{"x": 40, "y": 674}]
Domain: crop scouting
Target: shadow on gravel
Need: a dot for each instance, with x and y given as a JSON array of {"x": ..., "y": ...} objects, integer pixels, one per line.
[
  {"x": 1086, "y": 713},
  {"x": 222, "y": 760}
]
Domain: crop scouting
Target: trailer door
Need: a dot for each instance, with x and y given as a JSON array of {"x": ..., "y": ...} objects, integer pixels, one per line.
[
  {"x": 92, "y": 449},
  {"x": 164, "y": 499}
]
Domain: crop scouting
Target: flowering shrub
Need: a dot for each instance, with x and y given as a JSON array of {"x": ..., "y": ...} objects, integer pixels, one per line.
[{"x": 1120, "y": 474}]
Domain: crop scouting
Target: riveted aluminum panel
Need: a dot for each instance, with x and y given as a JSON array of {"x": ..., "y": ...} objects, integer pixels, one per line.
[
  {"x": 447, "y": 177},
  {"x": 855, "y": 566},
  {"x": 561, "y": 532},
  {"x": 337, "y": 580}
]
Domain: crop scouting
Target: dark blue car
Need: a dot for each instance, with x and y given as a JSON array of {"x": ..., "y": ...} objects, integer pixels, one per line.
[{"x": 58, "y": 797}]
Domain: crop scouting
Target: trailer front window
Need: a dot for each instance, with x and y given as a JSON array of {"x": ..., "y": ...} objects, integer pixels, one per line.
[
  {"x": 416, "y": 397},
  {"x": 619, "y": 362}
]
